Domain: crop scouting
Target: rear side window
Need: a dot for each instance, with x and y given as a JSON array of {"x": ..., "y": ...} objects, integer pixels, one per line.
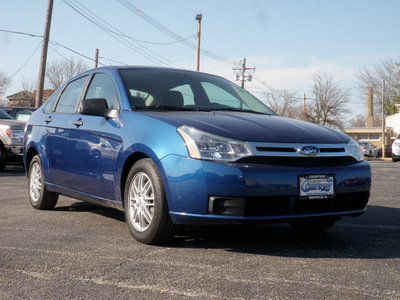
[
  {"x": 70, "y": 96},
  {"x": 48, "y": 106},
  {"x": 102, "y": 86}
]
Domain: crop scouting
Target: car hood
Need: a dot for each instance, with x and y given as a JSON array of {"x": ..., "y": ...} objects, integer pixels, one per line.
[
  {"x": 252, "y": 127},
  {"x": 11, "y": 122}
]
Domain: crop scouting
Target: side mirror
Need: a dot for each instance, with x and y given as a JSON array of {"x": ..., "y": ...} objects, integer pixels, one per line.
[{"x": 97, "y": 107}]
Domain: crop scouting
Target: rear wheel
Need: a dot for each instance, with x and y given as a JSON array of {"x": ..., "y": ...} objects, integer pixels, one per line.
[
  {"x": 394, "y": 158},
  {"x": 146, "y": 208},
  {"x": 316, "y": 225},
  {"x": 39, "y": 196}
]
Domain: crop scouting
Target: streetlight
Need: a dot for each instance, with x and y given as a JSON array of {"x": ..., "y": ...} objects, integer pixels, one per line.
[{"x": 198, "y": 19}]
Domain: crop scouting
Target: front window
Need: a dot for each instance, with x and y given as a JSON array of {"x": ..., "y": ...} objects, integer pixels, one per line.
[
  {"x": 102, "y": 86},
  {"x": 185, "y": 90},
  {"x": 4, "y": 115}
]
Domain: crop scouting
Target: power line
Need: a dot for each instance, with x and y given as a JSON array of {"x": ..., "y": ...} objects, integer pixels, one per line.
[
  {"x": 27, "y": 60},
  {"x": 51, "y": 41},
  {"x": 69, "y": 49},
  {"x": 170, "y": 33},
  {"x": 118, "y": 35},
  {"x": 22, "y": 33},
  {"x": 114, "y": 61},
  {"x": 162, "y": 44}
]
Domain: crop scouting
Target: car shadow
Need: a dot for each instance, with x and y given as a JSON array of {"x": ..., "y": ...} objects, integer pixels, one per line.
[
  {"x": 82, "y": 206},
  {"x": 13, "y": 170},
  {"x": 374, "y": 235}
]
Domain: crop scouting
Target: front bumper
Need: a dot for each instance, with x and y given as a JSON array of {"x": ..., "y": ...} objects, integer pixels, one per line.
[
  {"x": 396, "y": 150},
  {"x": 203, "y": 192}
]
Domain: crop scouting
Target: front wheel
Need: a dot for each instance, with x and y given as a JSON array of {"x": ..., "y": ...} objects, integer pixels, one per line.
[
  {"x": 146, "y": 208},
  {"x": 39, "y": 196},
  {"x": 316, "y": 225}
]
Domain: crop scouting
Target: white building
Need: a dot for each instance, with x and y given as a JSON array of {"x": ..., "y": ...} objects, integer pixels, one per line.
[{"x": 393, "y": 121}]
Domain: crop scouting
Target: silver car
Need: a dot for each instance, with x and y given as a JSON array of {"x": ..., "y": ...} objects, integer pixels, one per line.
[{"x": 368, "y": 149}]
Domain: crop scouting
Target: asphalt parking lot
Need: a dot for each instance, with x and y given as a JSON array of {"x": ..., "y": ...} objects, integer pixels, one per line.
[{"x": 82, "y": 251}]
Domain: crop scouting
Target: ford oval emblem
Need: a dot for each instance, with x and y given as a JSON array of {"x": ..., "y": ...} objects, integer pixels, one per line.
[{"x": 308, "y": 150}]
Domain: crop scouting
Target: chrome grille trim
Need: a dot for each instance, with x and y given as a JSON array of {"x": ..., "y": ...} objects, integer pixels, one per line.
[{"x": 291, "y": 149}]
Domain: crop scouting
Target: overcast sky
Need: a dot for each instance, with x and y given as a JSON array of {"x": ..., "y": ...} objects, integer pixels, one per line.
[{"x": 287, "y": 41}]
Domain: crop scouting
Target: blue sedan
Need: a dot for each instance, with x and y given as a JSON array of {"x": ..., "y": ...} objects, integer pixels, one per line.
[{"x": 171, "y": 147}]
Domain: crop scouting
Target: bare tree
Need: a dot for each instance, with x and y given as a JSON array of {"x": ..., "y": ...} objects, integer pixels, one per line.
[
  {"x": 283, "y": 102},
  {"x": 5, "y": 82},
  {"x": 60, "y": 71},
  {"x": 359, "y": 121},
  {"x": 328, "y": 103},
  {"x": 389, "y": 72},
  {"x": 29, "y": 85}
]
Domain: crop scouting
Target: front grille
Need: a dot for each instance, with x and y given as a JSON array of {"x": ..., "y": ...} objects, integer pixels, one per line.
[
  {"x": 299, "y": 161},
  {"x": 275, "y": 206},
  {"x": 289, "y": 154},
  {"x": 293, "y": 150}
]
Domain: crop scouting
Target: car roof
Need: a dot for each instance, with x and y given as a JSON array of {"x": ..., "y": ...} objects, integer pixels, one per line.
[{"x": 116, "y": 68}]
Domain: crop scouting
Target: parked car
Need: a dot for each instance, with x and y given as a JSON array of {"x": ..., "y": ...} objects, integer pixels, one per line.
[
  {"x": 396, "y": 149},
  {"x": 388, "y": 151},
  {"x": 172, "y": 147},
  {"x": 19, "y": 113},
  {"x": 11, "y": 140},
  {"x": 368, "y": 149}
]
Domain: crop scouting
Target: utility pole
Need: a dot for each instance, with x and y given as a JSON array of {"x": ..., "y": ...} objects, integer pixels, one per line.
[
  {"x": 43, "y": 58},
  {"x": 241, "y": 74},
  {"x": 96, "y": 58},
  {"x": 383, "y": 119},
  {"x": 198, "y": 18}
]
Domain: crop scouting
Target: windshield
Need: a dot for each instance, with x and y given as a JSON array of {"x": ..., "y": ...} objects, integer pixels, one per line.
[
  {"x": 4, "y": 115},
  {"x": 185, "y": 90}
]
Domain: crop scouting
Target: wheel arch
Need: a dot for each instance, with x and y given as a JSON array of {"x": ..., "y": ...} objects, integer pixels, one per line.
[
  {"x": 29, "y": 156},
  {"x": 129, "y": 162},
  {"x": 3, "y": 148}
]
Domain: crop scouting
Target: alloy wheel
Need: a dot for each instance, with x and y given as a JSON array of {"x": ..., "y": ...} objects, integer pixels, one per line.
[{"x": 141, "y": 201}]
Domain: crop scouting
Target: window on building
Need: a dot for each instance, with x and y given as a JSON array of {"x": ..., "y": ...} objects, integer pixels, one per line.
[{"x": 369, "y": 136}]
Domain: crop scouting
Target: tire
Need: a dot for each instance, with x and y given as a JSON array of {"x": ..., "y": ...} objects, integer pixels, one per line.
[
  {"x": 39, "y": 196},
  {"x": 394, "y": 158},
  {"x": 146, "y": 208},
  {"x": 316, "y": 225}
]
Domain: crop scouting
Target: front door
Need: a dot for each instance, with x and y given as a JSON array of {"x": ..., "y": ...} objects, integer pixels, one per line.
[{"x": 94, "y": 144}]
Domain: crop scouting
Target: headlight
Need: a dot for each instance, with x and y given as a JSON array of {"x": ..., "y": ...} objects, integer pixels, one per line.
[
  {"x": 15, "y": 133},
  {"x": 204, "y": 145},
  {"x": 354, "y": 150}
]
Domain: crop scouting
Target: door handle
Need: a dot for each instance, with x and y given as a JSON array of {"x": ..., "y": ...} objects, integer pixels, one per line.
[
  {"x": 48, "y": 120},
  {"x": 77, "y": 123}
]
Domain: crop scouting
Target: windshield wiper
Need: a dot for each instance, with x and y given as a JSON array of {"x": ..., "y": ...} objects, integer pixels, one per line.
[
  {"x": 167, "y": 107},
  {"x": 241, "y": 110}
]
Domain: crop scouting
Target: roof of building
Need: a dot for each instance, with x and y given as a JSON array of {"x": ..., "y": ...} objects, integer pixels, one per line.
[{"x": 21, "y": 95}]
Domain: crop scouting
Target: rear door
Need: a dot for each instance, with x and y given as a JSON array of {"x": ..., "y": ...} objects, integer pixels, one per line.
[{"x": 94, "y": 142}]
